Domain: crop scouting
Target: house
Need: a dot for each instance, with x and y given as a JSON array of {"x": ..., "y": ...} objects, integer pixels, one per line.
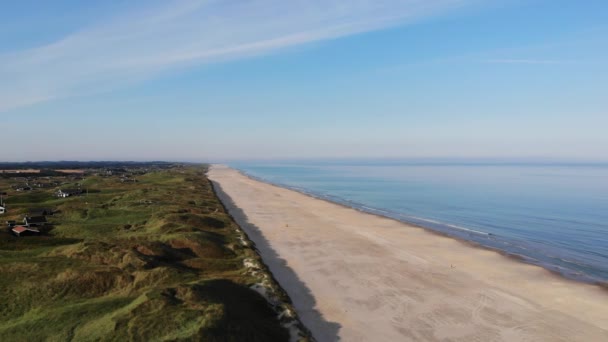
[
  {"x": 34, "y": 221},
  {"x": 2, "y": 204},
  {"x": 68, "y": 192},
  {"x": 40, "y": 212},
  {"x": 25, "y": 231}
]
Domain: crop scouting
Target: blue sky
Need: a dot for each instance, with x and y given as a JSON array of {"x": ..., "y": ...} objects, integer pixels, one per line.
[{"x": 216, "y": 80}]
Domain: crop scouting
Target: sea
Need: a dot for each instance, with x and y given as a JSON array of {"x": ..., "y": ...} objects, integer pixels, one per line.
[{"x": 551, "y": 214}]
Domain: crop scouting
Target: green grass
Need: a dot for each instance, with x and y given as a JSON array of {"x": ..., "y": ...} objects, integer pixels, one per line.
[{"x": 155, "y": 260}]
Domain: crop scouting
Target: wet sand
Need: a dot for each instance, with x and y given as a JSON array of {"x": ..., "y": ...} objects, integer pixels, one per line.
[{"x": 354, "y": 276}]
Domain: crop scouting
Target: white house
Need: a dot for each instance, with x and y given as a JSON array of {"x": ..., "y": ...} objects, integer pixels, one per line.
[
  {"x": 2, "y": 210},
  {"x": 68, "y": 192}
]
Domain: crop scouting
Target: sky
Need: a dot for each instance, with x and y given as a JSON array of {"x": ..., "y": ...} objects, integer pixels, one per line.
[{"x": 210, "y": 80}]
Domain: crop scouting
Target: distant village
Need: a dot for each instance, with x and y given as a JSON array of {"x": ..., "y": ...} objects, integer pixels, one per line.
[{"x": 64, "y": 183}]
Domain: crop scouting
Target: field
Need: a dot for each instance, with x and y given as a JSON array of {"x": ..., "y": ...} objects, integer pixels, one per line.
[{"x": 153, "y": 260}]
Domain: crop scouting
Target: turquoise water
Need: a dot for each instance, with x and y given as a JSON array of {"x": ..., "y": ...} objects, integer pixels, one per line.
[{"x": 552, "y": 215}]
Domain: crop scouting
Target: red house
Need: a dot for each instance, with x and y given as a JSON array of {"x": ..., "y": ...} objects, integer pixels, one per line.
[{"x": 25, "y": 231}]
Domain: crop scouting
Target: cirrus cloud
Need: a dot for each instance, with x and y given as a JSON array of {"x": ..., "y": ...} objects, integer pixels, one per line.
[{"x": 134, "y": 46}]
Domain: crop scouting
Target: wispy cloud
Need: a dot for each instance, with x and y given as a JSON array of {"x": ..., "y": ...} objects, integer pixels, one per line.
[
  {"x": 135, "y": 46},
  {"x": 526, "y": 61}
]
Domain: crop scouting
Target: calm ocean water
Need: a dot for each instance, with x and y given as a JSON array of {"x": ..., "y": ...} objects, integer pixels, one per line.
[{"x": 552, "y": 215}]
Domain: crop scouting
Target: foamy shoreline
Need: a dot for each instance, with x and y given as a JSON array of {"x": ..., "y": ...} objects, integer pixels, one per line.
[{"x": 357, "y": 276}]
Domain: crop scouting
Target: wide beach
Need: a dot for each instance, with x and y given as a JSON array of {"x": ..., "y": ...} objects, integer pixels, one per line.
[{"x": 359, "y": 277}]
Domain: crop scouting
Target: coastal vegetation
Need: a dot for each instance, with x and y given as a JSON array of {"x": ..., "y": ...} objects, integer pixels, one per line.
[{"x": 147, "y": 253}]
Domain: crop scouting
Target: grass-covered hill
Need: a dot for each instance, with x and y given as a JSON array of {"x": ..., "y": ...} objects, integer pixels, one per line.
[{"x": 153, "y": 260}]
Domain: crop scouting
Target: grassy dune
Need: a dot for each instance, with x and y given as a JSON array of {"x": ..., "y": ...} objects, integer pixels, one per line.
[{"x": 154, "y": 260}]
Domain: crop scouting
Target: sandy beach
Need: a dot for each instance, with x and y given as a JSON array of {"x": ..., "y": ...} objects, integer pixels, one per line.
[{"x": 354, "y": 276}]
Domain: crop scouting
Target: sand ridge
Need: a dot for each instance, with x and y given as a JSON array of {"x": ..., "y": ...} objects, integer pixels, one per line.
[{"x": 354, "y": 276}]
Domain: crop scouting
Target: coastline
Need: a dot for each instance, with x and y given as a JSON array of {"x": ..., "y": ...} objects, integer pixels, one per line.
[
  {"x": 433, "y": 229},
  {"x": 268, "y": 287},
  {"x": 366, "y": 266}
]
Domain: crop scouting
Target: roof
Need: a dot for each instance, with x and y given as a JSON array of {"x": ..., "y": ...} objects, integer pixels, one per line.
[
  {"x": 40, "y": 211},
  {"x": 71, "y": 191},
  {"x": 36, "y": 219},
  {"x": 21, "y": 229}
]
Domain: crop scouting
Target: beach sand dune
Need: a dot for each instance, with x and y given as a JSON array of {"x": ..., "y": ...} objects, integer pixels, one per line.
[{"x": 353, "y": 276}]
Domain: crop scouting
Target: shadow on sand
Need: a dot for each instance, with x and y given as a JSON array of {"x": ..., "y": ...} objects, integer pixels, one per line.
[{"x": 300, "y": 295}]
